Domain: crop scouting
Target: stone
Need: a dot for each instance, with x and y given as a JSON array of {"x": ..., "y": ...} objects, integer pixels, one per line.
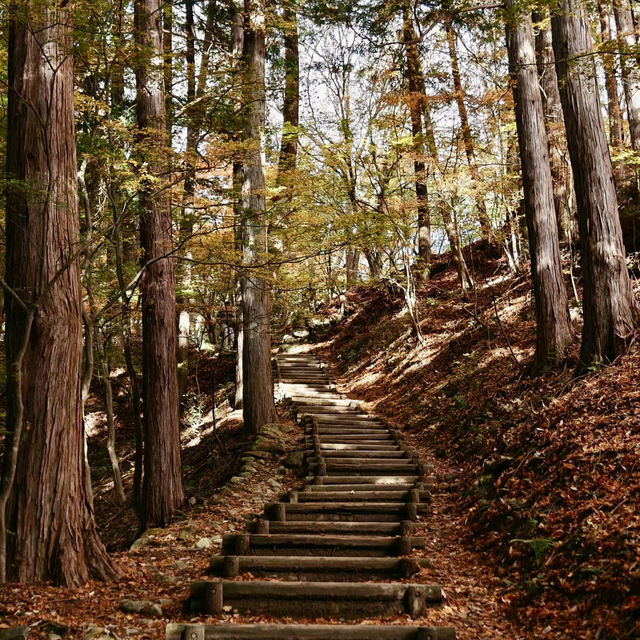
[
  {"x": 143, "y": 607},
  {"x": 300, "y": 334},
  {"x": 187, "y": 534},
  {"x": 270, "y": 445},
  {"x": 193, "y": 500},
  {"x": 53, "y": 636},
  {"x": 204, "y": 543},
  {"x": 147, "y": 537},
  {"x": 287, "y": 339},
  {"x": 14, "y": 633},
  {"x": 294, "y": 460},
  {"x": 94, "y": 632},
  {"x": 275, "y": 429},
  {"x": 259, "y": 454}
]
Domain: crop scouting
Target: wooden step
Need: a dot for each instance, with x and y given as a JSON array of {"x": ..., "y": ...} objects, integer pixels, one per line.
[
  {"x": 297, "y": 544},
  {"x": 327, "y": 447},
  {"x": 324, "y": 568},
  {"x": 344, "y": 511},
  {"x": 363, "y": 468},
  {"x": 306, "y": 632},
  {"x": 330, "y": 454},
  {"x": 400, "y": 527},
  {"x": 313, "y": 599},
  {"x": 389, "y": 480},
  {"x": 357, "y": 438},
  {"x": 361, "y": 496}
]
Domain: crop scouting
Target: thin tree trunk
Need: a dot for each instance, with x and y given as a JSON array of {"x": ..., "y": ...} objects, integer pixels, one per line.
[
  {"x": 563, "y": 194},
  {"x": 237, "y": 46},
  {"x": 629, "y": 66},
  {"x": 610, "y": 81},
  {"x": 289, "y": 144},
  {"x": 162, "y": 489},
  {"x": 352, "y": 261},
  {"x": 258, "y": 404},
  {"x": 49, "y": 510},
  {"x": 553, "y": 324},
  {"x": 467, "y": 139},
  {"x": 111, "y": 427},
  {"x": 610, "y": 309},
  {"x": 451, "y": 228},
  {"x": 417, "y": 103}
]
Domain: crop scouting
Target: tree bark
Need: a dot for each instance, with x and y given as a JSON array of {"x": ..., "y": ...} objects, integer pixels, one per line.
[
  {"x": 563, "y": 194},
  {"x": 610, "y": 310},
  {"x": 417, "y": 103},
  {"x": 553, "y": 324},
  {"x": 162, "y": 489},
  {"x": 289, "y": 144},
  {"x": 258, "y": 404},
  {"x": 50, "y": 511},
  {"x": 629, "y": 66}
]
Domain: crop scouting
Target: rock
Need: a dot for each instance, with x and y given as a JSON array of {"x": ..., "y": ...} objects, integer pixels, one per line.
[
  {"x": 275, "y": 429},
  {"x": 300, "y": 334},
  {"x": 148, "y": 536},
  {"x": 204, "y": 543},
  {"x": 287, "y": 339},
  {"x": 187, "y": 534},
  {"x": 294, "y": 460},
  {"x": 193, "y": 500},
  {"x": 237, "y": 480},
  {"x": 259, "y": 454},
  {"x": 270, "y": 445},
  {"x": 15, "y": 633},
  {"x": 275, "y": 484},
  {"x": 53, "y": 636},
  {"x": 97, "y": 633},
  {"x": 143, "y": 607}
]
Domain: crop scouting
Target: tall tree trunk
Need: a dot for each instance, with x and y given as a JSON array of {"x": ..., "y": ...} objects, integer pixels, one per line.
[
  {"x": 610, "y": 310},
  {"x": 289, "y": 144},
  {"x": 553, "y": 324},
  {"x": 610, "y": 81},
  {"x": 563, "y": 194},
  {"x": 50, "y": 511},
  {"x": 417, "y": 103},
  {"x": 258, "y": 404},
  {"x": 237, "y": 46},
  {"x": 162, "y": 490},
  {"x": 629, "y": 65},
  {"x": 465, "y": 127}
]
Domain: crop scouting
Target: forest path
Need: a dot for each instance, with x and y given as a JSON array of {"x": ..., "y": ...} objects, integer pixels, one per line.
[{"x": 340, "y": 548}]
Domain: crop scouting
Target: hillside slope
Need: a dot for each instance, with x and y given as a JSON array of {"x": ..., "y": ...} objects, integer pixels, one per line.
[{"x": 550, "y": 472}]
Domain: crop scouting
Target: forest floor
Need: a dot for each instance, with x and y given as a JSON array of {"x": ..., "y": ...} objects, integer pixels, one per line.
[
  {"x": 534, "y": 528},
  {"x": 541, "y": 522}
]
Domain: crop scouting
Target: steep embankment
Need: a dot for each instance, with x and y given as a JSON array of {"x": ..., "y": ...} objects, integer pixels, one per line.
[{"x": 549, "y": 488}]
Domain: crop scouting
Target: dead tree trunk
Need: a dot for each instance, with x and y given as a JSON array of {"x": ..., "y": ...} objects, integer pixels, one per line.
[
  {"x": 162, "y": 489},
  {"x": 553, "y": 325},
  {"x": 610, "y": 309},
  {"x": 258, "y": 404},
  {"x": 49, "y": 511}
]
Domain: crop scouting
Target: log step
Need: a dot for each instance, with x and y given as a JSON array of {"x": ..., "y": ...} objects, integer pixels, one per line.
[
  {"x": 376, "y": 480},
  {"x": 292, "y": 544},
  {"x": 344, "y": 511},
  {"x": 306, "y": 632},
  {"x": 317, "y": 568},
  {"x": 400, "y": 527},
  {"x": 357, "y": 496},
  {"x": 313, "y": 599}
]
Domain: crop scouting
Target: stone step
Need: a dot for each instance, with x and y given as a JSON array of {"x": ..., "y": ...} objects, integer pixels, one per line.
[
  {"x": 306, "y": 632},
  {"x": 313, "y": 599},
  {"x": 299, "y": 544},
  {"x": 322, "y": 568},
  {"x": 344, "y": 511},
  {"x": 400, "y": 527}
]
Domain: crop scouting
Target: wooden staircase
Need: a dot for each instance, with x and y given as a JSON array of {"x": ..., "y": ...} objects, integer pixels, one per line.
[{"x": 334, "y": 548}]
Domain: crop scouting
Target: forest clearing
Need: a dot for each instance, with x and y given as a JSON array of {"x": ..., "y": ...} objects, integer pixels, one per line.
[{"x": 320, "y": 320}]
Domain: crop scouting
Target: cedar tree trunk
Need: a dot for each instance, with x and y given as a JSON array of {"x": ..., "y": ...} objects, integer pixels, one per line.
[
  {"x": 50, "y": 511},
  {"x": 553, "y": 325},
  {"x": 610, "y": 309},
  {"x": 162, "y": 489}
]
